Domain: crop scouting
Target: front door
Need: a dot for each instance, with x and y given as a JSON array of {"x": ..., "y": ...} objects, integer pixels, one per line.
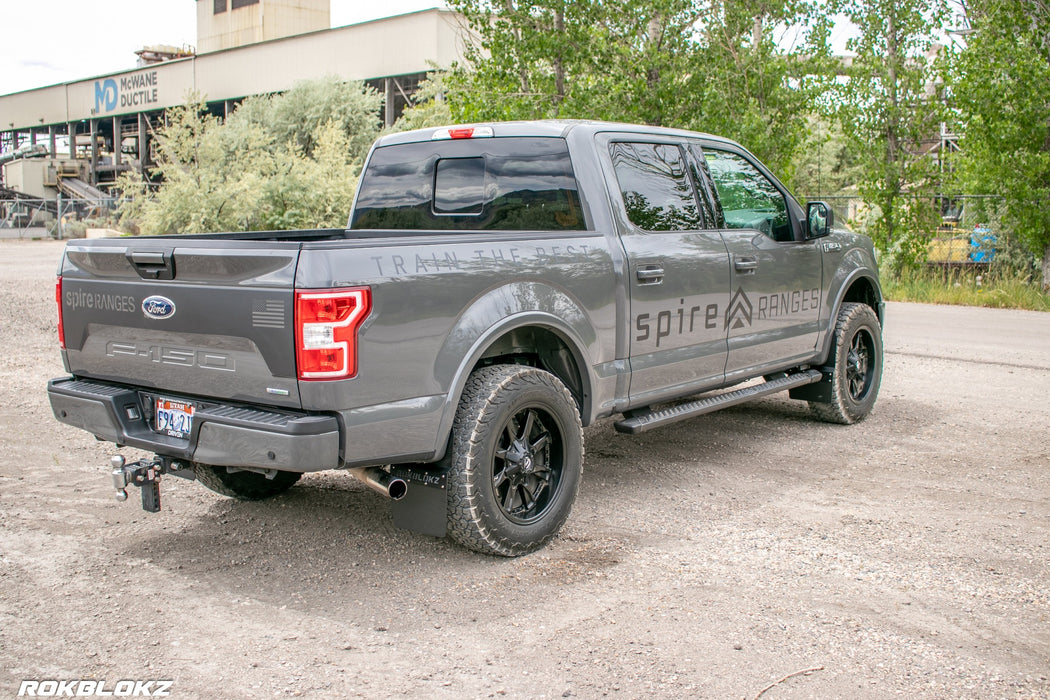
[{"x": 774, "y": 309}]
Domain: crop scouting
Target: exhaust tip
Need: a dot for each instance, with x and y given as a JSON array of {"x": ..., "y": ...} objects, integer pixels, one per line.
[
  {"x": 381, "y": 481},
  {"x": 396, "y": 489}
]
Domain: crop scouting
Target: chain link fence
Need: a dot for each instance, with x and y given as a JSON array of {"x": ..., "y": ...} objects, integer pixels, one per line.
[
  {"x": 24, "y": 217},
  {"x": 961, "y": 232}
]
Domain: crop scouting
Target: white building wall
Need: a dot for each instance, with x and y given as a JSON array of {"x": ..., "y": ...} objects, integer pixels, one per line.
[{"x": 381, "y": 48}]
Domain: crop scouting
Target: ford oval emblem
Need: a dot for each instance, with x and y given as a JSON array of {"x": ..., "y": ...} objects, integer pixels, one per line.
[{"x": 158, "y": 307}]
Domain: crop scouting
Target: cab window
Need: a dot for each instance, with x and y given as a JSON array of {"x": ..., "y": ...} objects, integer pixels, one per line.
[
  {"x": 749, "y": 199},
  {"x": 657, "y": 191}
]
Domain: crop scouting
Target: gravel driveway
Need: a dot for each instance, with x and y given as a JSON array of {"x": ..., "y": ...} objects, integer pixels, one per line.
[{"x": 905, "y": 556}]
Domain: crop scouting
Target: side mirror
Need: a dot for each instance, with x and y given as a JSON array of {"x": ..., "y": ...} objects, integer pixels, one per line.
[{"x": 820, "y": 220}]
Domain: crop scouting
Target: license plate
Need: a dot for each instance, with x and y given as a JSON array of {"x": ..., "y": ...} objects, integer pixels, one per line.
[{"x": 174, "y": 418}]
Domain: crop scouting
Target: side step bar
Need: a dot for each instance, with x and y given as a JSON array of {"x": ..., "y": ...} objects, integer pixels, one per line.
[{"x": 646, "y": 419}]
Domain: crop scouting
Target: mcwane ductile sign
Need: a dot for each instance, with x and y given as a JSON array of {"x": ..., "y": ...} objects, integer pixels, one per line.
[
  {"x": 154, "y": 87},
  {"x": 137, "y": 91}
]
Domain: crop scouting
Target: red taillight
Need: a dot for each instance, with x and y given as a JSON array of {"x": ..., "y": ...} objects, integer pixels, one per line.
[
  {"x": 326, "y": 323},
  {"x": 58, "y": 298}
]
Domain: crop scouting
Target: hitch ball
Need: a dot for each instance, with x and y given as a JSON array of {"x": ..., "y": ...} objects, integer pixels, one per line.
[
  {"x": 144, "y": 473},
  {"x": 120, "y": 477}
]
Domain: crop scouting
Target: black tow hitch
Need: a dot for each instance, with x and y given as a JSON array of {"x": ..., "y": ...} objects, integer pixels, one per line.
[{"x": 145, "y": 474}]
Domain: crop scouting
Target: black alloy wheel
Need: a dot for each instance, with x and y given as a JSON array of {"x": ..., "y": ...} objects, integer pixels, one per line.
[
  {"x": 855, "y": 366},
  {"x": 859, "y": 365},
  {"x": 527, "y": 466},
  {"x": 516, "y": 459}
]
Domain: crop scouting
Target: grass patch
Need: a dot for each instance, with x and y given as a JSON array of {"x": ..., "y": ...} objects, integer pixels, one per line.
[{"x": 967, "y": 288}]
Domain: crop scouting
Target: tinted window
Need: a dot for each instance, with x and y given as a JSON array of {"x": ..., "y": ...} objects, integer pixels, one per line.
[
  {"x": 656, "y": 189},
  {"x": 749, "y": 199},
  {"x": 509, "y": 184}
]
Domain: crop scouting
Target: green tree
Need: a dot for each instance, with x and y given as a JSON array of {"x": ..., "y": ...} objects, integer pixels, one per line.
[
  {"x": 548, "y": 59},
  {"x": 712, "y": 66},
  {"x": 643, "y": 68},
  {"x": 890, "y": 111},
  {"x": 828, "y": 165},
  {"x": 1001, "y": 91},
  {"x": 278, "y": 162},
  {"x": 751, "y": 87}
]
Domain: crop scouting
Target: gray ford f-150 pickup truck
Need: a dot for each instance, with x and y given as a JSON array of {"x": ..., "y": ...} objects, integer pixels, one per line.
[{"x": 498, "y": 287}]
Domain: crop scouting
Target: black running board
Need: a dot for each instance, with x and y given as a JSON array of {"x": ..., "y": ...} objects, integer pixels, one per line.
[{"x": 647, "y": 419}]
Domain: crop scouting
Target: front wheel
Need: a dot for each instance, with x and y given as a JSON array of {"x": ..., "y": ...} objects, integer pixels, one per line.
[
  {"x": 517, "y": 459},
  {"x": 856, "y": 359}
]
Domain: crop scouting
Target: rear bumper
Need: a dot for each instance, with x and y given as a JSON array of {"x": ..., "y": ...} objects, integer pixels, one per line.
[{"x": 222, "y": 434}]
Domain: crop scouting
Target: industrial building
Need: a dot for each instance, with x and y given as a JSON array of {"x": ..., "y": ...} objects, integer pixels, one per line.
[{"x": 76, "y": 137}]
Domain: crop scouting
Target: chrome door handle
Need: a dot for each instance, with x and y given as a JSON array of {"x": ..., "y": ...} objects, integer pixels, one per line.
[
  {"x": 650, "y": 275},
  {"x": 746, "y": 264}
]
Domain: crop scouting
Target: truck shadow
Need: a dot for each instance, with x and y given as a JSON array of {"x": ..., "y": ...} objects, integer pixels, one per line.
[{"x": 329, "y": 544}]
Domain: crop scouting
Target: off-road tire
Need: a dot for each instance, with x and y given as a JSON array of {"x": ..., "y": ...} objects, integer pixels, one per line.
[
  {"x": 244, "y": 485},
  {"x": 517, "y": 440},
  {"x": 856, "y": 359}
]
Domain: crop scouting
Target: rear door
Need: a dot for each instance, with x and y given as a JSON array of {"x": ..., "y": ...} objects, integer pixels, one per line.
[
  {"x": 185, "y": 316},
  {"x": 678, "y": 268}
]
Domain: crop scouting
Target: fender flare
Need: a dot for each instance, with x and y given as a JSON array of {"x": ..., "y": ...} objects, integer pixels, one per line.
[
  {"x": 488, "y": 319},
  {"x": 856, "y": 275}
]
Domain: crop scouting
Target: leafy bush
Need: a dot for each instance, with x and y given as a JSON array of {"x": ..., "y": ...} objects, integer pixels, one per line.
[{"x": 278, "y": 162}]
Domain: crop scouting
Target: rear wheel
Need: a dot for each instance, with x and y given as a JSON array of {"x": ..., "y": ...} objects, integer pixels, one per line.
[
  {"x": 244, "y": 485},
  {"x": 517, "y": 459},
  {"x": 856, "y": 359}
]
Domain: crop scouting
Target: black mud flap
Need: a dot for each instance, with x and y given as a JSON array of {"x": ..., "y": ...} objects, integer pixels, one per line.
[
  {"x": 424, "y": 508},
  {"x": 818, "y": 391}
]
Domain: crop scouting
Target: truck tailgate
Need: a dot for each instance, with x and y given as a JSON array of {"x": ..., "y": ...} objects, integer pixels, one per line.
[{"x": 198, "y": 317}]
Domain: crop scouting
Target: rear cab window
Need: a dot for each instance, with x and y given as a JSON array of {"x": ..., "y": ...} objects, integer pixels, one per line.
[
  {"x": 484, "y": 184},
  {"x": 657, "y": 192},
  {"x": 665, "y": 186}
]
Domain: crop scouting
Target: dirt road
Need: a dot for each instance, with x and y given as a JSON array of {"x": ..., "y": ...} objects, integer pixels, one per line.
[{"x": 905, "y": 556}]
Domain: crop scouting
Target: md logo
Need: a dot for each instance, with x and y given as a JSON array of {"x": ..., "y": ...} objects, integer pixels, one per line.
[{"x": 105, "y": 95}]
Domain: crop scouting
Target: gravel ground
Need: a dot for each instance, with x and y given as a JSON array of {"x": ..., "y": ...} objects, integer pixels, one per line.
[{"x": 905, "y": 556}]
